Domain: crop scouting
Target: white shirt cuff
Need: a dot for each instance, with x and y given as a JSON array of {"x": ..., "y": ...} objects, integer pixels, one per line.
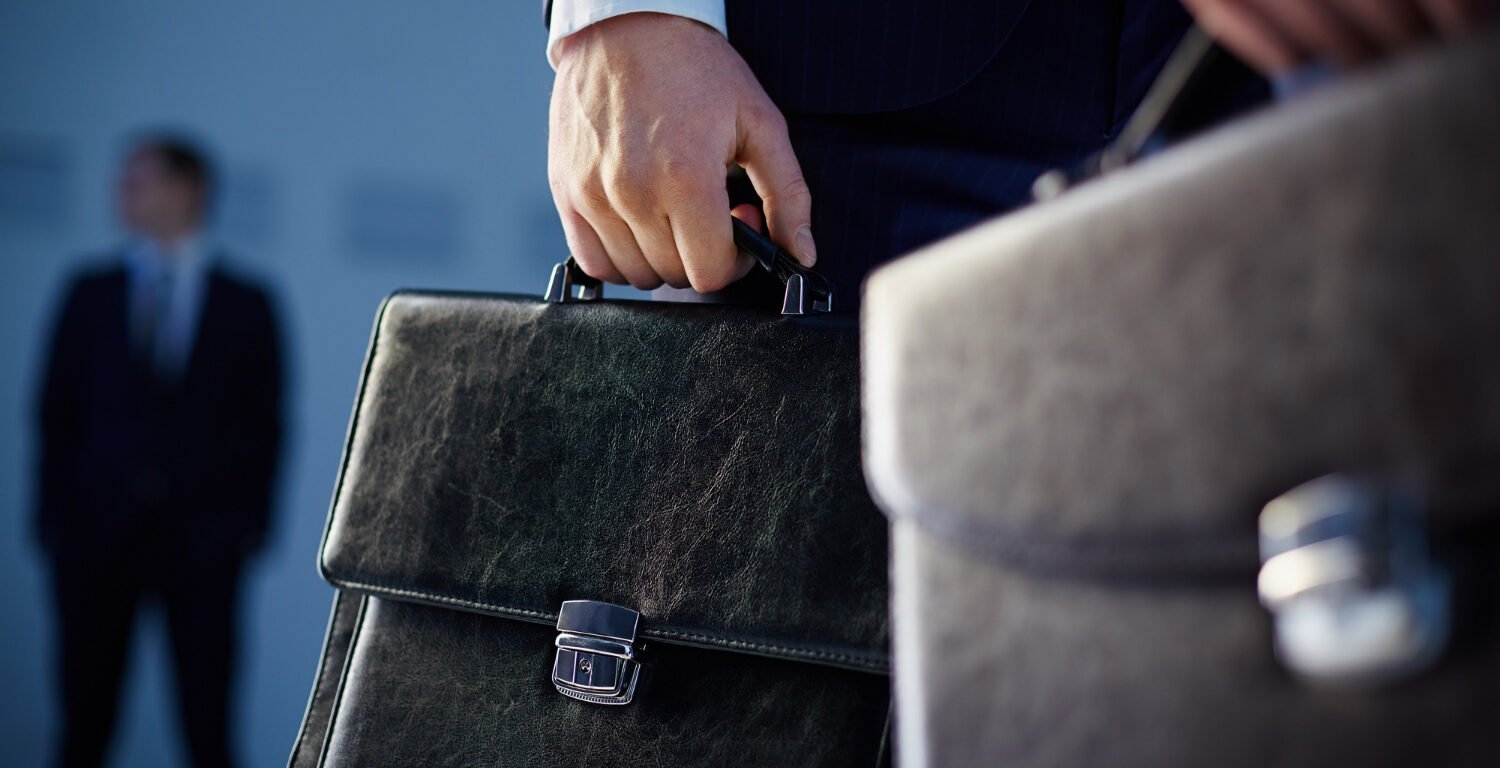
[{"x": 569, "y": 16}]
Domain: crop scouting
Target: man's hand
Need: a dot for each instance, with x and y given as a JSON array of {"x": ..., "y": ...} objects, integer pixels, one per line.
[
  {"x": 1278, "y": 35},
  {"x": 648, "y": 112}
]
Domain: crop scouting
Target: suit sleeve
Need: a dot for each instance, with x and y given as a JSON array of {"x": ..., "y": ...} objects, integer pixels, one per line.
[{"x": 58, "y": 412}]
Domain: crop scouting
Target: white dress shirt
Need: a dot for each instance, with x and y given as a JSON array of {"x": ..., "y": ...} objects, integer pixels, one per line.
[
  {"x": 569, "y": 16},
  {"x": 183, "y": 274}
]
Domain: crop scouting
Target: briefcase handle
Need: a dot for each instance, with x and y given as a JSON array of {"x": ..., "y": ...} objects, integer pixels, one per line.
[
  {"x": 1168, "y": 112},
  {"x": 807, "y": 292}
]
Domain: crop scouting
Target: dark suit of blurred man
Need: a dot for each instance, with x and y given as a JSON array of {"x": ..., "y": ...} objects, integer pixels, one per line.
[{"x": 160, "y": 422}]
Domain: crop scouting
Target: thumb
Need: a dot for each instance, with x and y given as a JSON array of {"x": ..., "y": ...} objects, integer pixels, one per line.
[{"x": 766, "y": 154}]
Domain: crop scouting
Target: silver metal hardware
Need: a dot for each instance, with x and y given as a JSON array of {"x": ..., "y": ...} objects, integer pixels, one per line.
[
  {"x": 1182, "y": 77},
  {"x": 1356, "y": 596},
  {"x": 569, "y": 283},
  {"x": 798, "y": 300},
  {"x": 596, "y": 652}
]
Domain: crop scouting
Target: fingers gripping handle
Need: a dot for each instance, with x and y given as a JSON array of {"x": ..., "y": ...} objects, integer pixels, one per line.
[{"x": 807, "y": 292}]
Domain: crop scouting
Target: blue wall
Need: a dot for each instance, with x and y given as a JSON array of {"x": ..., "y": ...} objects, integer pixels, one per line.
[{"x": 367, "y": 145}]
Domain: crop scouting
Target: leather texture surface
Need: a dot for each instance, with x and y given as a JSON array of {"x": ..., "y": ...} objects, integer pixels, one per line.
[
  {"x": 1074, "y": 491},
  {"x": 1309, "y": 290},
  {"x": 314, "y": 730},
  {"x": 696, "y": 463},
  {"x": 995, "y": 666},
  {"x": 434, "y": 687}
]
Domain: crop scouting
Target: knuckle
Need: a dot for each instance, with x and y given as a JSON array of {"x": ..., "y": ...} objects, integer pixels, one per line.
[
  {"x": 709, "y": 277},
  {"x": 678, "y": 198},
  {"x": 1212, "y": 16},
  {"x": 591, "y": 195},
  {"x": 674, "y": 275},
  {"x": 672, "y": 272},
  {"x": 676, "y": 168},
  {"x": 791, "y": 194},
  {"x": 622, "y": 178},
  {"x": 595, "y": 265},
  {"x": 795, "y": 190},
  {"x": 766, "y": 116},
  {"x": 662, "y": 258},
  {"x": 628, "y": 191},
  {"x": 678, "y": 184},
  {"x": 645, "y": 282}
]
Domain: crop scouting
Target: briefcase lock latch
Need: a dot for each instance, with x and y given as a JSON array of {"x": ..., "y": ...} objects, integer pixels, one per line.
[
  {"x": 1357, "y": 597},
  {"x": 596, "y": 652}
]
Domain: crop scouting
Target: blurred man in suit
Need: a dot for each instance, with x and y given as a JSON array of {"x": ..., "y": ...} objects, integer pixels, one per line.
[
  {"x": 905, "y": 119},
  {"x": 160, "y": 421}
]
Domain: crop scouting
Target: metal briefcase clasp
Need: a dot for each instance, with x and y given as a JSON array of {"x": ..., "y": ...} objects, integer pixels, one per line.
[
  {"x": 1357, "y": 597},
  {"x": 596, "y": 652}
]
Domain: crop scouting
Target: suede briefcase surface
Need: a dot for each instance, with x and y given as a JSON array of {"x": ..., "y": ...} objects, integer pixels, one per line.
[{"x": 684, "y": 477}]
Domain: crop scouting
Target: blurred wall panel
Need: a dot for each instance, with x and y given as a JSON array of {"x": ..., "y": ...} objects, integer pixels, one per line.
[
  {"x": 33, "y": 184},
  {"x": 303, "y": 103},
  {"x": 402, "y": 221},
  {"x": 245, "y": 216}
]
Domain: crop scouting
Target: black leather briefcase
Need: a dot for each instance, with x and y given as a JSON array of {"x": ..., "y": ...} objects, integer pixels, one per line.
[{"x": 602, "y": 533}]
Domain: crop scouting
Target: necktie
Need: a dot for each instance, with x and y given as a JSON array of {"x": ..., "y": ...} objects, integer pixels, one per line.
[
  {"x": 161, "y": 351},
  {"x": 155, "y": 315}
]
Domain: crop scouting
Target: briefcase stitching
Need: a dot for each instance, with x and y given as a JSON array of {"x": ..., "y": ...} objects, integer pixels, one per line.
[{"x": 857, "y": 661}]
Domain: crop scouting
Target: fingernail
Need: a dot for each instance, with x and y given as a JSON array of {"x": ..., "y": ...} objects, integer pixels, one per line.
[{"x": 805, "y": 246}]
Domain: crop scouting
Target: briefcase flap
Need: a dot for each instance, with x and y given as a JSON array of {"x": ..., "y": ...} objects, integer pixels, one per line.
[
  {"x": 1121, "y": 378},
  {"x": 696, "y": 463}
]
